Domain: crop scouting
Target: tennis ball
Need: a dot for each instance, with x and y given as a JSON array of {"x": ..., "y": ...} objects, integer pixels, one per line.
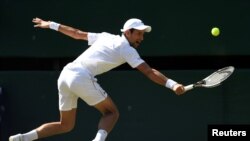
[{"x": 215, "y": 31}]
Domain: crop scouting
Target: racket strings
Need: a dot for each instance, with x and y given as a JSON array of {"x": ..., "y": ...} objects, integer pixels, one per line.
[{"x": 219, "y": 76}]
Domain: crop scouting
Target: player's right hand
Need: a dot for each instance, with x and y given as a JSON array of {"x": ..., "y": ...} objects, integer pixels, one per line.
[
  {"x": 179, "y": 89},
  {"x": 40, "y": 23}
]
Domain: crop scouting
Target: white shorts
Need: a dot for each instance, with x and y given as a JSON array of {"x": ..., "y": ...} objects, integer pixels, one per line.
[{"x": 73, "y": 84}]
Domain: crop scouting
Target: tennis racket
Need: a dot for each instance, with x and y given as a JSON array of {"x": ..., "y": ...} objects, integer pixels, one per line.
[{"x": 213, "y": 79}]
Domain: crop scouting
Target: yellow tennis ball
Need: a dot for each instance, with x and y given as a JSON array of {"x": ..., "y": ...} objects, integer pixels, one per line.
[{"x": 215, "y": 31}]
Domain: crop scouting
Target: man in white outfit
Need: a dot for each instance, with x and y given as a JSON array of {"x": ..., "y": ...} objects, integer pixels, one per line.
[{"x": 77, "y": 79}]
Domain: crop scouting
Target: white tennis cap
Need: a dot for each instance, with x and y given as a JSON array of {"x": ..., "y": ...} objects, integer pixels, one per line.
[{"x": 136, "y": 24}]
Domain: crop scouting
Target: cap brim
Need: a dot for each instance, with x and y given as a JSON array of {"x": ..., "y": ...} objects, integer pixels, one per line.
[{"x": 146, "y": 28}]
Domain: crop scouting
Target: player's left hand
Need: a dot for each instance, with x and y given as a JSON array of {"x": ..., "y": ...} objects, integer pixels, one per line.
[
  {"x": 179, "y": 89},
  {"x": 40, "y": 23}
]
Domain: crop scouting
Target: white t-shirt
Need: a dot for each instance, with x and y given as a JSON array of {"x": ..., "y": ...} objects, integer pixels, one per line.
[{"x": 106, "y": 52}]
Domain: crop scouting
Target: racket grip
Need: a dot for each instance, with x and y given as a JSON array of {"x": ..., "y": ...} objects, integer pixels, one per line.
[{"x": 189, "y": 87}]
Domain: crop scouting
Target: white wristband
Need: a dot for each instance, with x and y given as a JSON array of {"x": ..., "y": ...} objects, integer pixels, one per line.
[
  {"x": 170, "y": 83},
  {"x": 54, "y": 26}
]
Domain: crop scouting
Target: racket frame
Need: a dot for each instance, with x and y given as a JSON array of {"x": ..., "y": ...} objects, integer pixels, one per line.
[{"x": 202, "y": 83}]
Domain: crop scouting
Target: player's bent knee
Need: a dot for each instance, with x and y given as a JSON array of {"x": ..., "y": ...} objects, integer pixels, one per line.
[
  {"x": 67, "y": 128},
  {"x": 114, "y": 114}
]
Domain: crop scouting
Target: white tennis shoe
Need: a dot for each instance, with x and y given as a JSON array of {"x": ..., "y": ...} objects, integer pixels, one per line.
[{"x": 17, "y": 137}]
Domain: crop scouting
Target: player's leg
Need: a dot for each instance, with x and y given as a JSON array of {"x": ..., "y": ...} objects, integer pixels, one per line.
[
  {"x": 66, "y": 124},
  {"x": 110, "y": 115}
]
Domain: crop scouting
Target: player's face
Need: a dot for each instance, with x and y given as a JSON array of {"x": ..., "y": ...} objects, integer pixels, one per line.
[{"x": 135, "y": 38}]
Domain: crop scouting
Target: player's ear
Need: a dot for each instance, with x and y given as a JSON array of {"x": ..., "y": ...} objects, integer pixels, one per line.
[{"x": 127, "y": 33}]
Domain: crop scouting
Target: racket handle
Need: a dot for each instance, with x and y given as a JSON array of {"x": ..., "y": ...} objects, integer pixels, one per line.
[{"x": 189, "y": 87}]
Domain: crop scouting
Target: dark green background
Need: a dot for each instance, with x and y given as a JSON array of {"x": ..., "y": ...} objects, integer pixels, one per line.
[
  {"x": 148, "y": 111},
  {"x": 180, "y": 27}
]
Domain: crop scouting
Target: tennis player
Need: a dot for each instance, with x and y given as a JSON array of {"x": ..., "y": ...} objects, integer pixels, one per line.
[{"x": 77, "y": 79}]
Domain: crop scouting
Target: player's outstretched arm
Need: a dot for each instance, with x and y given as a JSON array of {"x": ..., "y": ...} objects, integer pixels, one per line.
[
  {"x": 160, "y": 79},
  {"x": 67, "y": 30}
]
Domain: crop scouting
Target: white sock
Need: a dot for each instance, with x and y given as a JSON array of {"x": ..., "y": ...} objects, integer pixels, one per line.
[
  {"x": 101, "y": 135},
  {"x": 30, "y": 136}
]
